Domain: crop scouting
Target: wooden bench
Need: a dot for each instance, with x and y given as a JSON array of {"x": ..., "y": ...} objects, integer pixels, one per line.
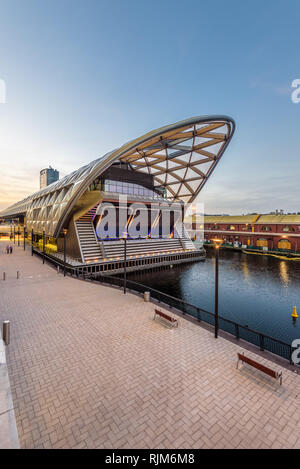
[
  {"x": 166, "y": 319},
  {"x": 260, "y": 367}
]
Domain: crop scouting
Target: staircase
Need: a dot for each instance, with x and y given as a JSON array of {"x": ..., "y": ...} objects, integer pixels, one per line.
[
  {"x": 141, "y": 248},
  {"x": 184, "y": 237},
  {"x": 89, "y": 244},
  {"x": 92, "y": 212},
  {"x": 94, "y": 251}
]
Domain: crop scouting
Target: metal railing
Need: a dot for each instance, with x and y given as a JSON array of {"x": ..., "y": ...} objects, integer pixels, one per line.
[{"x": 262, "y": 341}]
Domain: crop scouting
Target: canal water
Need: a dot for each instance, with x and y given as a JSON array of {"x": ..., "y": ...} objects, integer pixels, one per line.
[{"x": 257, "y": 291}]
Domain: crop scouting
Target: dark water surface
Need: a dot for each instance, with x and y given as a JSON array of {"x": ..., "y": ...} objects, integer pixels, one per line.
[{"x": 257, "y": 291}]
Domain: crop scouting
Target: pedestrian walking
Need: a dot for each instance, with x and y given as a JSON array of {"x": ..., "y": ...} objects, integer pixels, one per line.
[
  {"x": 10, "y": 249},
  {"x": 7, "y": 249}
]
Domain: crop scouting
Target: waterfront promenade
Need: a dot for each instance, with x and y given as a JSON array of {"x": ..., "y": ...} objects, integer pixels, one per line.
[{"x": 89, "y": 368}]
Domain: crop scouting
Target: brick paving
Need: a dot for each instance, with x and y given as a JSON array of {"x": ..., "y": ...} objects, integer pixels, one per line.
[{"x": 89, "y": 368}]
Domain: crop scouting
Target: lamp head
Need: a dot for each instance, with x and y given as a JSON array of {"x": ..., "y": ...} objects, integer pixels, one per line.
[
  {"x": 65, "y": 231},
  {"x": 218, "y": 243}
]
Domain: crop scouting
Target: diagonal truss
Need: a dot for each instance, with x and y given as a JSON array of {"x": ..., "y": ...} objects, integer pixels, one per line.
[{"x": 181, "y": 160}]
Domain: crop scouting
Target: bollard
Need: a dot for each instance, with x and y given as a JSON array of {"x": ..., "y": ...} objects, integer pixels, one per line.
[
  {"x": 147, "y": 296},
  {"x": 58, "y": 269},
  {"x": 18, "y": 274},
  {"x": 4, "y": 275},
  {"x": 6, "y": 332}
]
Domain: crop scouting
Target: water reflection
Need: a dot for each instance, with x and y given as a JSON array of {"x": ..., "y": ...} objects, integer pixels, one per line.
[
  {"x": 245, "y": 270},
  {"x": 259, "y": 291},
  {"x": 283, "y": 269}
]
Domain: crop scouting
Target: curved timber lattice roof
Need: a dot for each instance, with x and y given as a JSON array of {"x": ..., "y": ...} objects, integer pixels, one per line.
[{"x": 179, "y": 156}]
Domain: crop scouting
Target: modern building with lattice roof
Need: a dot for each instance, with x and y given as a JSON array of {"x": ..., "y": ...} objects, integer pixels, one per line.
[{"x": 165, "y": 166}]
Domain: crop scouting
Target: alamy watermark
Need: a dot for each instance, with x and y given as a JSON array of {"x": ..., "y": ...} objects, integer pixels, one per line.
[
  {"x": 2, "y": 91},
  {"x": 296, "y": 353},
  {"x": 156, "y": 220},
  {"x": 295, "y": 96}
]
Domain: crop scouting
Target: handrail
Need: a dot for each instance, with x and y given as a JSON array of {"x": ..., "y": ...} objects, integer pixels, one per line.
[
  {"x": 204, "y": 311},
  {"x": 261, "y": 338}
]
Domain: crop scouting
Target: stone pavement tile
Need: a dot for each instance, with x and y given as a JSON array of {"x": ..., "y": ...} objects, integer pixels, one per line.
[
  {"x": 6, "y": 402},
  {"x": 8, "y": 431},
  {"x": 89, "y": 368}
]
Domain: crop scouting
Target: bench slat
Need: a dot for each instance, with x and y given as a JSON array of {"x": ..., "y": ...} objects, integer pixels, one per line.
[
  {"x": 258, "y": 366},
  {"x": 165, "y": 316}
]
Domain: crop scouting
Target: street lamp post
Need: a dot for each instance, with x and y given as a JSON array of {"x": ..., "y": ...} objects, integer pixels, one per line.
[
  {"x": 218, "y": 243},
  {"x": 125, "y": 262},
  {"x": 24, "y": 233},
  {"x": 65, "y": 231},
  {"x": 18, "y": 235}
]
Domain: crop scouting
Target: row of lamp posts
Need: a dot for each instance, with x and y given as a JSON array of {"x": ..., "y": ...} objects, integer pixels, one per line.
[
  {"x": 18, "y": 233},
  {"x": 32, "y": 243},
  {"x": 65, "y": 231}
]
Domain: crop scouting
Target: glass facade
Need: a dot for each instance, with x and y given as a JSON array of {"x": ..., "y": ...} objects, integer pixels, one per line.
[{"x": 128, "y": 188}]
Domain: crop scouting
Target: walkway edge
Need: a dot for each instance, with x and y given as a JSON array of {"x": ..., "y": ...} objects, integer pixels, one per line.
[{"x": 9, "y": 438}]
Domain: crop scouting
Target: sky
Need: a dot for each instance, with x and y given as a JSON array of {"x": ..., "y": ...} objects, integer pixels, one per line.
[{"x": 84, "y": 77}]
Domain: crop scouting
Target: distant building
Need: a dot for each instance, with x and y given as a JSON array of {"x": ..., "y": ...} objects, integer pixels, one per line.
[
  {"x": 266, "y": 232},
  {"x": 47, "y": 176}
]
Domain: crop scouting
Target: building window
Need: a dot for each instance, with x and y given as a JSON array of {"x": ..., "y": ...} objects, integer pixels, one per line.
[
  {"x": 231, "y": 227},
  {"x": 247, "y": 227},
  {"x": 266, "y": 228},
  {"x": 284, "y": 244},
  {"x": 262, "y": 243},
  {"x": 35, "y": 213},
  {"x": 288, "y": 228},
  {"x": 130, "y": 189}
]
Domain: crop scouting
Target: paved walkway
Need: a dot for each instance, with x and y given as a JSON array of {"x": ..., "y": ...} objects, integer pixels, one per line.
[
  {"x": 8, "y": 429},
  {"x": 89, "y": 368}
]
